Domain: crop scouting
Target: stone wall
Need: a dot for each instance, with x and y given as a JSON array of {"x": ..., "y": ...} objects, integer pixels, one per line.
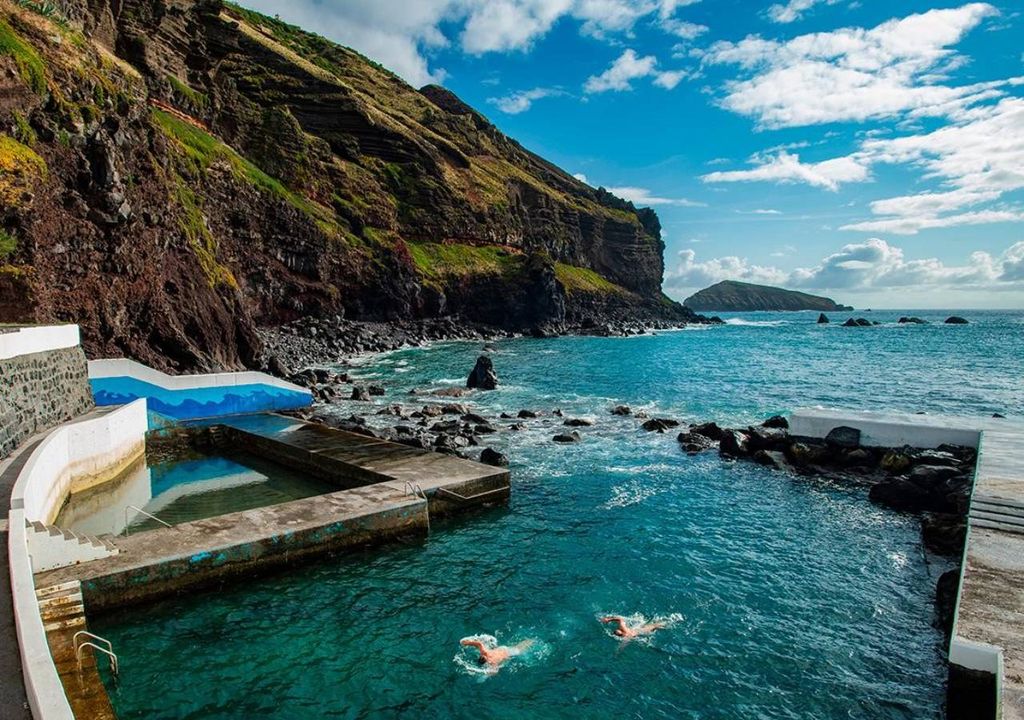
[{"x": 40, "y": 390}]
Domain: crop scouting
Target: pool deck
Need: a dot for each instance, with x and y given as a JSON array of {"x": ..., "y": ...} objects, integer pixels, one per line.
[
  {"x": 390, "y": 491},
  {"x": 988, "y": 634}
]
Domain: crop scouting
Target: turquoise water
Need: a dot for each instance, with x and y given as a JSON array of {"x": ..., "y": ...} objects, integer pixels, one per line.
[{"x": 786, "y": 597}]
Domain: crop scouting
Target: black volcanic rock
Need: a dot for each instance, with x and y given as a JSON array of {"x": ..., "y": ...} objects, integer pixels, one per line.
[
  {"x": 733, "y": 296},
  {"x": 482, "y": 376},
  {"x": 956, "y": 320},
  {"x": 823, "y": 319}
]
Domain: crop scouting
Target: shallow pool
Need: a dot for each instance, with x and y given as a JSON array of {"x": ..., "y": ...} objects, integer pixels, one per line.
[{"x": 182, "y": 490}]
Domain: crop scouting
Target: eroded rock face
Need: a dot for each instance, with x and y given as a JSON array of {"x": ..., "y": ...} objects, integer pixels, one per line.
[{"x": 227, "y": 173}]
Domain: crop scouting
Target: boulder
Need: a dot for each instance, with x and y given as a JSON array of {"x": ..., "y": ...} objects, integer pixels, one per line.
[
  {"x": 431, "y": 410},
  {"x": 936, "y": 457},
  {"x": 376, "y": 389},
  {"x": 578, "y": 422},
  {"x": 659, "y": 424},
  {"x": 911, "y": 321},
  {"x": 693, "y": 443},
  {"x": 474, "y": 418},
  {"x": 764, "y": 438},
  {"x": 806, "y": 454},
  {"x": 776, "y": 421},
  {"x": 734, "y": 443},
  {"x": 943, "y": 533},
  {"x": 360, "y": 393},
  {"x": 484, "y": 429},
  {"x": 895, "y": 462},
  {"x": 823, "y": 319},
  {"x": 956, "y": 320},
  {"x": 864, "y": 322},
  {"x": 708, "y": 430},
  {"x": 843, "y": 437},
  {"x": 929, "y": 476},
  {"x": 850, "y": 322},
  {"x": 771, "y": 458},
  {"x": 526, "y": 414},
  {"x": 900, "y": 494},
  {"x": 858, "y": 457},
  {"x": 622, "y": 410},
  {"x": 571, "y": 437},
  {"x": 493, "y": 457},
  {"x": 453, "y": 409},
  {"x": 483, "y": 377}
]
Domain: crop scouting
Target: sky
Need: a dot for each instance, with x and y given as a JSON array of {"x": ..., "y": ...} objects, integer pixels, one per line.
[{"x": 870, "y": 151}]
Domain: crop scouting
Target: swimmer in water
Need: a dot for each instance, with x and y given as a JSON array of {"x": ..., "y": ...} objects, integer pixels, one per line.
[
  {"x": 495, "y": 657},
  {"x": 627, "y": 632}
]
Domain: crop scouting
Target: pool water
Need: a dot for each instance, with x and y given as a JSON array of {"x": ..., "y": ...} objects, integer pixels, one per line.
[
  {"x": 184, "y": 490},
  {"x": 785, "y": 597}
]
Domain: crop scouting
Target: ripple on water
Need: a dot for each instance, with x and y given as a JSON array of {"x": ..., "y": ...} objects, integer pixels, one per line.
[{"x": 795, "y": 598}]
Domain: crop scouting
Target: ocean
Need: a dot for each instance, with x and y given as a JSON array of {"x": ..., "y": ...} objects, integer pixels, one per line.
[{"x": 784, "y": 597}]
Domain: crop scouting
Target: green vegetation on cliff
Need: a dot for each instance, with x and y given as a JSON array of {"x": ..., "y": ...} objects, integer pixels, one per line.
[
  {"x": 20, "y": 168},
  {"x": 30, "y": 65},
  {"x": 576, "y": 279},
  {"x": 436, "y": 261}
]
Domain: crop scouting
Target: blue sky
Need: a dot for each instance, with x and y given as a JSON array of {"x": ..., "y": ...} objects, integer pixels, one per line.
[{"x": 866, "y": 150}]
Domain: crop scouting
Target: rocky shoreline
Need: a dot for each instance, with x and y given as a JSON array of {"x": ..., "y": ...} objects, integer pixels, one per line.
[{"x": 310, "y": 341}]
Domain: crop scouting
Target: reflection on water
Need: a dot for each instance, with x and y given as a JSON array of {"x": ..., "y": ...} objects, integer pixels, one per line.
[{"x": 184, "y": 490}]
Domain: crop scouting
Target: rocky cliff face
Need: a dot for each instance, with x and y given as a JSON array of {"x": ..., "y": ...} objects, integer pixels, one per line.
[
  {"x": 176, "y": 173},
  {"x": 733, "y": 296}
]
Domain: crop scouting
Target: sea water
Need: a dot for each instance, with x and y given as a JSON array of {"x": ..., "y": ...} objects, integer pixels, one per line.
[{"x": 784, "y": 597}]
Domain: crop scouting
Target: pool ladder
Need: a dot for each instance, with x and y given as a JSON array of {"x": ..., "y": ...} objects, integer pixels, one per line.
[
  {"x": 107, "y": 648},
  {"x": 415, "y": 490},
  {"x": 141, "y": 512}
]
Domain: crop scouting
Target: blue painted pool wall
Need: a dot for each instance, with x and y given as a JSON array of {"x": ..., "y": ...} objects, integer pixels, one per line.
[{"x": 196, "y": 403}]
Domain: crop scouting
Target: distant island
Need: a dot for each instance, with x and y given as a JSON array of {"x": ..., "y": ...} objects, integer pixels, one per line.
[{"x": 733, "y": 296}]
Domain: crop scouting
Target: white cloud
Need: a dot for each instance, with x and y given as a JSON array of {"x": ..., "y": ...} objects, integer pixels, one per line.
[
  {"x": 581, "y": 177},
  {"x": 670, "y": 78},
  {"x": 793, "y": 10},
  {"x": 521, "y": 100},
  {"x": 626, "y": 68},
  {"x": 683, "y": 29},
  {"x": 759, "y": 211},
  {"x": 787, "y": 167},
  {"x": 643, "y": 197},
  {"x": 400, "y": 34},
  {"x": 853, "y": 74},
  {"x": 914, "y": 224},
  {"x": 873, "y": 264}
]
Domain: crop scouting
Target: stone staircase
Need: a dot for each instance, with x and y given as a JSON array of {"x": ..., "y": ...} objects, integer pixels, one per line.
[
  {"x": 995, "y": 513},
  {"x": 63, "y": 614},
  {"x": 52, "y": 547}
]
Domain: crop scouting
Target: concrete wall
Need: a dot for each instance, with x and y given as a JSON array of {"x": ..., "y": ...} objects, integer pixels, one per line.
[
  {"x": 76, "y": 452},
  {"x": 187, "y": 397},
  {"x": 43, "y": 381},
  {"x": 885, "y": 430}
]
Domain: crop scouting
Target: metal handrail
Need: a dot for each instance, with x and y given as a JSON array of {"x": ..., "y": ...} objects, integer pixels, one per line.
[
  {"x": 470, "y": 498},
  {"x": 113, "y": 658},
  {"x": 143, "y": 512},
  {"x": 415, "y": 490},
  {"x": 74, "y": 639}
]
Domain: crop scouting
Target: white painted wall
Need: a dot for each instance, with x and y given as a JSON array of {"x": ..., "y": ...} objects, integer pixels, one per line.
[
  {"x": 889, "y": 430},
  {"x": 77, "y": 449},
  {"x": 123, "y": 367},
  {"x": 38, "y": 338},
  {"x": 86, "y": 446}
]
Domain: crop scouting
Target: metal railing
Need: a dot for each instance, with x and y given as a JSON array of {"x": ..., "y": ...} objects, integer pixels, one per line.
[
  {"x": 127, "y": 530},
  {"x": 107, "y": 648},
  {"x": 415, "y": 490}
]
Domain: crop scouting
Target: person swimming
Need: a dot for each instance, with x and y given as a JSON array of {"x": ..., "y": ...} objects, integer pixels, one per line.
[
  {"x": 492, "y": 655},
  {"x": 627, "y": 631}
]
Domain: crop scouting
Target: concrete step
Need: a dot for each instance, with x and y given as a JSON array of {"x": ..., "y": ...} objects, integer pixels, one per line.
[
  {"x": 992, "y": 500},
  {"x": 997, "y": 517},
  {"x": 1003, "y": 527}
]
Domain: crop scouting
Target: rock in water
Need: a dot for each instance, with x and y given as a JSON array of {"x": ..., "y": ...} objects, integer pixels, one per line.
[
  {"x": 843, "y": 437},
  {"x": 567, "y": 437},
  {"x": 956, "y": 320},
  {"x": 823, "y": 319},
  {"x": 493, "y": 457},
  {"x": 483, "y": 376},
  {"x": 360, "y": 393},
  {"x": 776, "y": 421}
]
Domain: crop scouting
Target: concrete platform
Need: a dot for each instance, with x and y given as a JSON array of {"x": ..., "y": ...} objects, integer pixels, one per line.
[
  {"x": 206, "y": 552},
  {"x": 390, "y": 490}
]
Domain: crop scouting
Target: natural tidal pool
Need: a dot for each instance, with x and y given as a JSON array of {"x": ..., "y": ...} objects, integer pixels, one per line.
[{"x": 786, "y": 597}]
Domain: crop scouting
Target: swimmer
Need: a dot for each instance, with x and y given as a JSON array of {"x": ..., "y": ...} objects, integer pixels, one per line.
[
  {"x": 627, "y": 632},
  {"x": 495, "y": 657}
]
